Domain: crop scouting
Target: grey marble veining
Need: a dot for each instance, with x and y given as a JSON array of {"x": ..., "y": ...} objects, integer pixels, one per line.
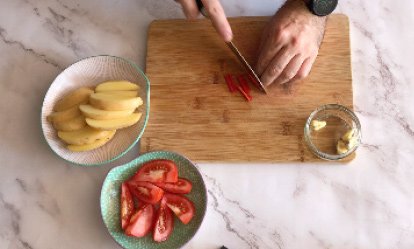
[{"x": 369, "y": 203}]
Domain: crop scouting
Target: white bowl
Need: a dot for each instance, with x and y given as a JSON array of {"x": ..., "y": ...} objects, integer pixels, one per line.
[{"x": 87, "y": 73}]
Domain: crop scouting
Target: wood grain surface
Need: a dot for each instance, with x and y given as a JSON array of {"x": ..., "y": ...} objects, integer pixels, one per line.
[{"x": 194, "y": 114}]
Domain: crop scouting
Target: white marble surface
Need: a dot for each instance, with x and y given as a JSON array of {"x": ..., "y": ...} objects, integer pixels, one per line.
[{"x": 47, "y": 203}]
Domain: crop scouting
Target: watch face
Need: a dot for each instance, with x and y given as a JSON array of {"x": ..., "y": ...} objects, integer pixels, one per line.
[{"x": 323, "y": 7}]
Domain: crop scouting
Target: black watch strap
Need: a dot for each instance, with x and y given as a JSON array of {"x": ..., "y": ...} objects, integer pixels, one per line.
[{"x": 322, "y": 7}]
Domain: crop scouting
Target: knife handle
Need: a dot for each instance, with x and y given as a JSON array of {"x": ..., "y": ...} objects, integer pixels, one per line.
[{"x": 201, "y": 8}]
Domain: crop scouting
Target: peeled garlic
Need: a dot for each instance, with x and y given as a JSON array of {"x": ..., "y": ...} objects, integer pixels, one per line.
[
  {"x": 351, "y": 143},
  {"x": 347, "y": 142},
  {"x": 317, "y": 124},
  {"x": 341, "y": 147},
  {"x": 348, "y": 135}
]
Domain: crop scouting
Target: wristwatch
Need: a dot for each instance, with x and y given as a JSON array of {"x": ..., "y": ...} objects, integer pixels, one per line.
[{"x": 321, "y": 7}]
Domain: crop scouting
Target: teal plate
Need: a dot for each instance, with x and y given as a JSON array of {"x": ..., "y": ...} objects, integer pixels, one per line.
[
  {"x": 110, "y": 202},
  {"x": 89, "y": 72}
]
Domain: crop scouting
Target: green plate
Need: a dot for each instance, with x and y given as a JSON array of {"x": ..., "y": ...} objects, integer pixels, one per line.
[{"x": 110, "y": 202}]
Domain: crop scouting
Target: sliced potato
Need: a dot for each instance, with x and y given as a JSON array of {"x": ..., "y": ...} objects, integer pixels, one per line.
[
  {"x": 94, "y": 113},
  {"x": 121, "y": 85},
  {"x": 114, "y": 103},
  {"x": 73, "y": 98},
  {"x": 121, "y": 93},
  {"x": 73, "y": 124},
  {"x": 85, "y": 135},
  {"x": 113, "y": 124},
  {"x": 64, "y": 115},
  {"x": 96, "y": 144}
]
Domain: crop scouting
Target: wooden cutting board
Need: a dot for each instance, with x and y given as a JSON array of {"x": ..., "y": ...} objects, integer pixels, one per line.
[{"x": 193, "y": 113}]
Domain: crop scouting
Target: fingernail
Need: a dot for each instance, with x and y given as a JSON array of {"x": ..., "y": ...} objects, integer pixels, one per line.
[
  {"x": 283, "y": 82},
  {"x": 228, "y": 36}
]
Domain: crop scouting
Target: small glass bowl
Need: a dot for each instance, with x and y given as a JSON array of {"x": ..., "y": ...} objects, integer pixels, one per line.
[{"x": 339, "y": 119}]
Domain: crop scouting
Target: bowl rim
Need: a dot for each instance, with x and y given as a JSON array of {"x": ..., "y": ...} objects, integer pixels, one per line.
[
  {"x": 134, "y": 162},
  {"x": 311, "y": 145},
  {"x": 147, "y": 81}
]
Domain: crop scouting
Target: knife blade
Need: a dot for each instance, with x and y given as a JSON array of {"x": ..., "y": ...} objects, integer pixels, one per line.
[
  {"x": 246, "y": 65},
  {"x": 236, "y": 52}
]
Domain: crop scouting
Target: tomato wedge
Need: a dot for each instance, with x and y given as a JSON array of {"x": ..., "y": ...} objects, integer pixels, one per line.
[
  {"x": 164, "y": 223},
  {"x": 141, "y": 222},
  {"x": 146, "y": 192},
  {"x": 127, "y": 205},
  {"x": 181, "y": 206},
  {"x": 182, "y": 186},
  {"x": 160, "y": 170}
]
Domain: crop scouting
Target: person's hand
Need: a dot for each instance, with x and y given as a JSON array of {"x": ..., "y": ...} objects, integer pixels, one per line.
[
  {"x": 290, "y": 44},
  {"x": 215, "y": 12}
]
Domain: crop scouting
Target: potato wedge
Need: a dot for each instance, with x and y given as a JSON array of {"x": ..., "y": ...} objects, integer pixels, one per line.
[
  {"x": 96, "y": 144},
  {"x": 121, "y": 85},
  {"x": 85, "y": 135},
  {"x": 114, "y": 103},
  {"x": 113, "y": 124},
  {"x": 73, "y": 124},
  {"x": 73, "y": 98},
  {"x": 64, "y": 115},
  {"x": 121, "y": 93},
  {"x": 94, "y": 113}
]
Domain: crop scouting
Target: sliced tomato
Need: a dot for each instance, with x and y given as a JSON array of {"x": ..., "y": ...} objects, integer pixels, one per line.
[
  {"x": 127, "y": 205},
  {"x": 182, "y": 186},
  {"x": 164, "y": 223},
  {"x": 141, "y": 222},
  {"x": 181, "y": 206},
  {"x": 146, "y": 192},
  {"x": 160, "y": 170}
]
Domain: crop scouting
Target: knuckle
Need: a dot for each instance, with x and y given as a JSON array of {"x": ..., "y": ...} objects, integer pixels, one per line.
[
  {"x": 287, "y": 75},
  {"x": 214, "y": 11},
  {"x": 298, "y": 42},
  {"x": 281, "y": 34},
  {"x": 276, "y": 69},
  {"x": 295, "y": 41},
  {"x": 311, "y": 49}
]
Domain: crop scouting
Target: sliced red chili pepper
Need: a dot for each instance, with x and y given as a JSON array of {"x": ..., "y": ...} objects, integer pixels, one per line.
[
  {"x": 247, "y": 96},
  {"x": 243, "y": 83},
  {"x": 230, "y": 83}
]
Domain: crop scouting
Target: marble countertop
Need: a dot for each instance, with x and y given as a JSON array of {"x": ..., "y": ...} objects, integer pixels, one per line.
[{"x": 369, "y": 203}]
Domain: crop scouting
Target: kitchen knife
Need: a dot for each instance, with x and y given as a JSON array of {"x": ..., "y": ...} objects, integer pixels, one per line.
[{"x": 236, "y": 52}]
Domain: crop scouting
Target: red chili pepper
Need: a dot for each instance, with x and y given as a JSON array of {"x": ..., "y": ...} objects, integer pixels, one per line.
[
  {"x": 230, "y": 83},
  {"x": 247, "y": 96},
  {"x": 243, "y": 83}
]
